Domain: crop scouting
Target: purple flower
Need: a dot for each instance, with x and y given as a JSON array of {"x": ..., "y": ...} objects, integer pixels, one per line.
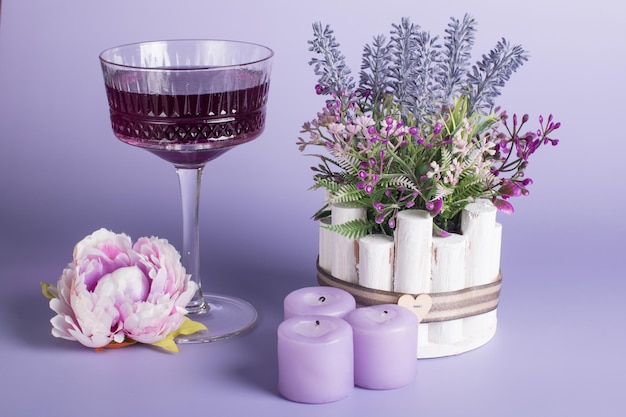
[
  {"x": 509, "y": 189},
  {"x": 503, "y": 206},
  {"x": 434, "y": 206}
]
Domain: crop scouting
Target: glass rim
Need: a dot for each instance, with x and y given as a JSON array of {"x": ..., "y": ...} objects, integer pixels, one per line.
[{"x": 270, "y": 55}]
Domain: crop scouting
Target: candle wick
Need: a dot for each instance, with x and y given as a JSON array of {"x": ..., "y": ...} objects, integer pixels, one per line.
[
  {"x": 386, "y": 312},
  {"x": 317, "y": 322},
  {"x": 322, "y": 299}
]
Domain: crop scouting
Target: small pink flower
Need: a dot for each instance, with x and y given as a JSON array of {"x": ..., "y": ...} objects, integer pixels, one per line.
[{"x": 113, "y": 290}]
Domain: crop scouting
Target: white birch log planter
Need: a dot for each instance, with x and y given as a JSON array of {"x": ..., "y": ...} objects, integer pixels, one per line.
[
  {"x": 376, "y": 257},
  {"x": 478, "y": 225},
  {"x": 459, "y": 274},
  {"x": 496, "y": 251},
  {"x": 345, "y": 250},
  {"x": 326, "y": 248},
  {"x": 413, "y": 240},
  {"x": 448, "y": 274}
]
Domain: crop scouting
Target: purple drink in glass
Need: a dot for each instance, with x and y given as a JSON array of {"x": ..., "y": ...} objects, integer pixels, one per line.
[{"x": 189, "y": 101}]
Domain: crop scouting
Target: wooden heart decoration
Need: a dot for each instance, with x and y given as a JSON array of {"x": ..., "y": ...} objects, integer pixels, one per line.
[{"x": 420, "y": 305}]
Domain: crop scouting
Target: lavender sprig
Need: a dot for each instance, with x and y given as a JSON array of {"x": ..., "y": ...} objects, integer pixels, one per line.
[
  {"x": 334, "y": 74},
  {"x": 374, "y": 75},
  {"x": 405, "y": 61},
  {"x": 459, "y": 41},
  {"x": 490, "y": 74},
  {"x": 426, "y": 93}
]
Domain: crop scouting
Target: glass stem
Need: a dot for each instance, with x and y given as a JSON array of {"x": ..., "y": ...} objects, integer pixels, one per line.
[{"x": 189, "y": 180}]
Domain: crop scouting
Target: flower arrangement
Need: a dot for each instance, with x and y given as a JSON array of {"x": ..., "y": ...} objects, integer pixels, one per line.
[
  {"x": 115, "y": 293},
  {"x": 421, "y": 129}
]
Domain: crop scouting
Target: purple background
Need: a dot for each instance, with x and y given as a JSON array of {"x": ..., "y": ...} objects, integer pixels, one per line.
[{"x": 560, "y": 341}]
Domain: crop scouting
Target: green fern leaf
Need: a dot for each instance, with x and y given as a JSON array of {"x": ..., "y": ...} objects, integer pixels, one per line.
[
  {"x": 327, "y": 183},
  {"x": 348, "y": 193},
  {"x": 399, "y": 181},
  {"x": 466, "y": 191},
  {"x": 348, "y": 163},
  {"x": 354, "y": 229},
  {"x": 446, "y": 159}
]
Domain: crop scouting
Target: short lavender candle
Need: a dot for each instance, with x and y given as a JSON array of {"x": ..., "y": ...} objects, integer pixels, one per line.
[
  {"x": 321, "y": 301},
  {"x": 385, "y": 346},
  {"x": 315, "y": 359}
]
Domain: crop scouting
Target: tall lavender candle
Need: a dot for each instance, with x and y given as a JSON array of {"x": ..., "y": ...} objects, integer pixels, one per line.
[
  {"x": 385, "y": 342},
  {"x": 315, "y": 359},
  {"x": 321, "y": 301}
]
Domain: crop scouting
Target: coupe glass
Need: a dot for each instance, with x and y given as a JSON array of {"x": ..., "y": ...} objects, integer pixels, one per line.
[{"x": 188, "y": 102}]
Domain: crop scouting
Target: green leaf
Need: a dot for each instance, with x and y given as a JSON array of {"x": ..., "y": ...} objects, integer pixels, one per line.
[
  {"x": 45, "y": 290},
  {"x": 327, "y": 183},
  {"x": 354, "y": 229},
  {"x": 188, "y": 327},
  {"x": 348, "y": 193},
  {"x": 388, "y": 180},
  {"x": 348, "y": 163},
  {"x": 322, "y": 213}
]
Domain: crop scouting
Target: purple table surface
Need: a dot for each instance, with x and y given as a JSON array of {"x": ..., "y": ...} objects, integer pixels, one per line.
[{"x": 560, "y": 341}]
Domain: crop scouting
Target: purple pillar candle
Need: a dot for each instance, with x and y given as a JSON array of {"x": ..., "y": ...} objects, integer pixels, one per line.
[
  {"x": 385, "y": 346},
  {"x": 320, "y": 301},
  {"x": 315, "y": 359}
]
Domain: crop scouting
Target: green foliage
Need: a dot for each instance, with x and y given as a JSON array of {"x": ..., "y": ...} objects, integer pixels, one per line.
[
  {"x": 348, "y": 193},
  {"x": 354, "y": 229},
  {"x": 418, "y": 131}
]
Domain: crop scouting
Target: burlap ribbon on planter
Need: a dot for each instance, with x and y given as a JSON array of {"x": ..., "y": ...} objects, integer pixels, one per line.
[{"x": 446, "y": 306}]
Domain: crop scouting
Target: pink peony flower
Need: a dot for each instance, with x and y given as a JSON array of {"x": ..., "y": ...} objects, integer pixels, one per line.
[{"x": 113, "y": 291}]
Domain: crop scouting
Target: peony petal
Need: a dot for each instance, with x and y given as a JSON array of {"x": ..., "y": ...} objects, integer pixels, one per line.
[
  {"x": 151, "y": 322},
  {"x": 127, "y": 283},
  {"x": 102, "y": 240},
  {"x": 61, "y": 327}
]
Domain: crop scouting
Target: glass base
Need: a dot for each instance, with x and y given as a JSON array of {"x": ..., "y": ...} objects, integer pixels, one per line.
[{"x": 226, "y": 317}]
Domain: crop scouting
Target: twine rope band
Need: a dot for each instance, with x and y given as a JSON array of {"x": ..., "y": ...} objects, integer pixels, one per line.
[{"x": 446, "y": 306}]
